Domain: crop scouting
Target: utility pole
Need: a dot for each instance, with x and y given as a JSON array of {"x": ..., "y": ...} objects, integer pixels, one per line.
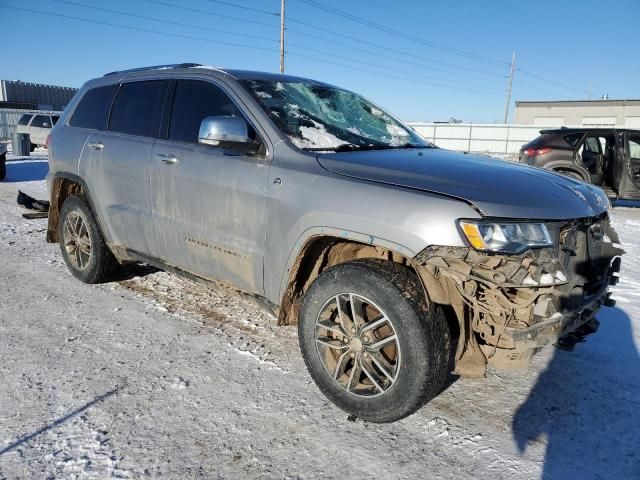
[
  {"x": 282, "y": 36},
  {"x": 513, "y": 68}
]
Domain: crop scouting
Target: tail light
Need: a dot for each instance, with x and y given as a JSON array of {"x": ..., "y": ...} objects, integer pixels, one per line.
[{"x": 534, "y": 152}]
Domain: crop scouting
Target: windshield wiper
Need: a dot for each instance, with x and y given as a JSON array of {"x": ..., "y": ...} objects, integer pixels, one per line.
[
  {"x": 343, "y": 147},
  {"x": 352, "y": 147}
]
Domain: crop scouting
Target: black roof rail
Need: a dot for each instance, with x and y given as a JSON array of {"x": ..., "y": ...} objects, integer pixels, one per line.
[{"x": 154, "y": 67}]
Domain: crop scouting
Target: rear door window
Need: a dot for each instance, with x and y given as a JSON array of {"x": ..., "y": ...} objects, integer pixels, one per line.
[
  {"x": 24, "y": 119},
  {"x": 93, "y": 109},
  {"x": 138, "y": 107},
  {"x": 41, "y": 121},
  {"x": 193, "y": 101}
]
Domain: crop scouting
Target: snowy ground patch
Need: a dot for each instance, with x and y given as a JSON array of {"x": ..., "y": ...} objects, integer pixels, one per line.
[{"x": 155, "y": 376}]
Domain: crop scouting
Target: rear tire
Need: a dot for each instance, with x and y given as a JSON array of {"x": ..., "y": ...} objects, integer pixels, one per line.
[
  {"x": 3, "y": 166},
  {"x": 377, "y": 384},
  {"x": 82, "y": 244}
]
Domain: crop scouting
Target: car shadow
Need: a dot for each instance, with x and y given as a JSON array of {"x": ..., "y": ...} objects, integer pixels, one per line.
[
  {"x": 133, "y": 270},
  {"x": 587, "y": 405},
  {"x": 26, "y": 170}
]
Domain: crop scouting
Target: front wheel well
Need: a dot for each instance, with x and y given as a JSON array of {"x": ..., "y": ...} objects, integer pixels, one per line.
[
  {"x": 61, "y": 189},
  {"x": 317, "y": 255}
]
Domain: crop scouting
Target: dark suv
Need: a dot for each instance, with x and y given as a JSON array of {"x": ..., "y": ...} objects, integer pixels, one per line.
[{"x": 607, "y": 157}]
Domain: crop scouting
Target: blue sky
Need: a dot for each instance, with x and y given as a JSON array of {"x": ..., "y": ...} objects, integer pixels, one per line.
[{"x": 451, "y": 59}]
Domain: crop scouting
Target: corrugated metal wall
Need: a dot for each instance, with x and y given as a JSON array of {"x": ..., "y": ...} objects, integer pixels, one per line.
[
  {"x": 47, "y": 97},
  {"x": 499, "y": 139},
  {"x": 9, "y": 119}
]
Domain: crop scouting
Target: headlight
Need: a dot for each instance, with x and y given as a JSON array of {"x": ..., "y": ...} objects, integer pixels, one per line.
[{"x": 506, "y": 237}]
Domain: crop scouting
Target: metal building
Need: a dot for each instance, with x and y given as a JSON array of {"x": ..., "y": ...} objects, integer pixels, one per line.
[
  {"x": 36, "y": 96},
  {"x": 619, "y": 113}
]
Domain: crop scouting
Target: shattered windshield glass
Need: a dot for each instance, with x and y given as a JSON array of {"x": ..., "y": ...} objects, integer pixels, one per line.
[{"x": 320, "y": 117}]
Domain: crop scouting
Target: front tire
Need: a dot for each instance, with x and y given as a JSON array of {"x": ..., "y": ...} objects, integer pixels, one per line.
[
  {"x": 3, "y": 166},
  {"x": 370, "y": 341},
  {"x": 82, "y": 245}
]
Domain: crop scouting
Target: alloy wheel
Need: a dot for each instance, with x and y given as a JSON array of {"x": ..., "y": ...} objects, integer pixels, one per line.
[
  {"x": 358, "y": 345},
  {"x": 77, "y": 241}
]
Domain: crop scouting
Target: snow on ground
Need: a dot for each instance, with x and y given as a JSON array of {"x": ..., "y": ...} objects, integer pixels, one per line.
[{"x": 155, "y": 376}]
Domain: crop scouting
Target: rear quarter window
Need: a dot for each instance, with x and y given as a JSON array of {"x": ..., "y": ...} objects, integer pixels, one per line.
[
  {"x": 573, "y": 139},
  {"x": 93, "y": 109}
]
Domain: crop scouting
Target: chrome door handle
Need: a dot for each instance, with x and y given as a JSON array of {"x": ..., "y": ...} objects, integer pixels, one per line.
[
  {"x": 96, "y": 145},
  {"x": 167, "y": 158}
]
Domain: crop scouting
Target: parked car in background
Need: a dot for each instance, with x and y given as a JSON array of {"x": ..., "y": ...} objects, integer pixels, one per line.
[
  {"x": 37, "y": 126},
  {"x": 607, "y": 157},
  {"x": 3, "y": 160},
  {"x": 380, "y": 246}
]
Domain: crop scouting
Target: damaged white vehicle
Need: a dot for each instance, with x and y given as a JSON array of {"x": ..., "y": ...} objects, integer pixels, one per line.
[{"x": 385, "y": 250}]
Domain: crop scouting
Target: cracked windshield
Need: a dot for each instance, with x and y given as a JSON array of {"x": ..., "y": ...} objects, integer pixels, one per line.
[{"x": 321, "y": 117}]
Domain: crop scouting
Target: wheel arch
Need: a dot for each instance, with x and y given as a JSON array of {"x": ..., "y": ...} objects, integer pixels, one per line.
[
  {"x": 563, "y": 166},
  {"x": 323, "y": 248},
  {"x": 64, "y": 185}
]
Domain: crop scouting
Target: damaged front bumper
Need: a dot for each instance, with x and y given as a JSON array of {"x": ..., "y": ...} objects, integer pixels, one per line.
[{"x": 508, "y": 306}]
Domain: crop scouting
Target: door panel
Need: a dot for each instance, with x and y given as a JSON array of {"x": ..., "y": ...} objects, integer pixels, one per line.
[
  {"x": 117, "y": 175},
  {"x": 209, "y": 207},
  {"x": 209, "y": 212}
]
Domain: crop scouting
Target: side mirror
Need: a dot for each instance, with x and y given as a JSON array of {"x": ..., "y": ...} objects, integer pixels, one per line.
[{"x": 217, "y": 130}]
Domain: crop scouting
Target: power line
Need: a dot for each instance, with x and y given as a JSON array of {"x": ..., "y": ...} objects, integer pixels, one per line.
[
  {"x": 360, "y": 20},
  {"x": 383, "y": 47},
  {"x": 138, "y": 29},
  {"x": 385, "y": 74},
  {"x": 307, "y": 48},
  {"x": 292, "y": 20},
  {"x": 306, "y": 24},
  {"x": 552, "y": 82},
  {"x": 243, "y": 7},
  {"x": 160, "y": 20},
  {"x": 349, "y": 59},
  {"x": 219, "y": 15},
  {"x": 414, "y": 38},
  {"x": 189, "y": 37},
  {"x": 473, "y": 73}
]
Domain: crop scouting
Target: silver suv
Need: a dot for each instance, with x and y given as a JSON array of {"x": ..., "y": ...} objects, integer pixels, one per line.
[{"x": 385, "y": 250}]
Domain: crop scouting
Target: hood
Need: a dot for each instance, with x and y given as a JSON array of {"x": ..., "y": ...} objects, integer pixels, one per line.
[{"x": 495, "y": 187}]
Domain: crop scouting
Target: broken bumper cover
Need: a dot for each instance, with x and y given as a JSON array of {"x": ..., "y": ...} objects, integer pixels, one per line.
[
  {"x": 548, "y": 331},
  {"x": 508, "y": 306}
]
